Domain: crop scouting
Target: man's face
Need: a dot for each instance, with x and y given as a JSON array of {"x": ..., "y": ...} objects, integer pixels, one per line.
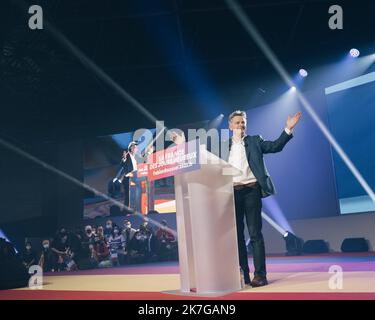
[
  {"x": 100, "y": 231},
  {"x": 134, "y": 149},
  {"x": 238, "y": 126}
]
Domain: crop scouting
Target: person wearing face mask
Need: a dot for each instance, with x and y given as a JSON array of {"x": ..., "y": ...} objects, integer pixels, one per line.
[
  {"x": 61, "y": 247},
  {"x": 89, "y": 234},
  {"x": 141, "y": 243},
  {"x": 94, "y": 230},
  {"x": 47, "y": 259},
  {"x": 116, "y": 243},
  {"x": 128, "y": 233},
  {"x": 101, "y": 250},
  {"x": 108, "y": 229},
  {"x": 86, "y": 259},
  {"x": 28, "y": 256},
  {"x": 166, "y": 242}
]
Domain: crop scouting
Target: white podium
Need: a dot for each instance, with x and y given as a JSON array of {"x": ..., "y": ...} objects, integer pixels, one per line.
[{"x": 206, "y": 227}]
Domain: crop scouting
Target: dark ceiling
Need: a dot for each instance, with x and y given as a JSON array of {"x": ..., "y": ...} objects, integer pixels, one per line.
[{"x": 183, "y": 60}]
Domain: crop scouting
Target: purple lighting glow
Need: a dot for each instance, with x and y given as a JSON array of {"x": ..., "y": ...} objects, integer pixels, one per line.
[{"x": 273, "y": 209}]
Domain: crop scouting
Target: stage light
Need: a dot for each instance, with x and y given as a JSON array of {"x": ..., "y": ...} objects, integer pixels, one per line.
[
  {"x": 315, "y": 246},
  {"x": 294, "y": 245},
  {"x": 354, "y": 53},
  {"x": 303, "y": 73},
  {"x": 215, "y": 123},
  {"x": 355, "y": 245},
  {"x": 293, "y": 88}
]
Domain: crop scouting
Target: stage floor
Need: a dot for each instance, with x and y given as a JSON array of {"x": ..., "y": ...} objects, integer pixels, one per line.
[{"x": 304, "y": 277}]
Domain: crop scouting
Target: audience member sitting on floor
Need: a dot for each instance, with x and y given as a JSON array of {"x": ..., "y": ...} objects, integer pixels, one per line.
[
  {"x": 116, "y": 243},
  {"x": 47, "y": 259},
  {"x": 29, "y": 256},
  {"x": 108, "y": 230},
  {"x": 62, "y": 246},
  {"x": 101, "y": 250},
  {"x": 86, "y": 249},
  {"x": 141, "y": 244},
  {"x": 128, "y": 232},
  {"x": 166, "y": 242}
]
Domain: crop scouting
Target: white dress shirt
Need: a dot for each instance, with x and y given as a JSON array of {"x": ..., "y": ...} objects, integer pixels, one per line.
[
  {"x": 134, "y": 162},
  {"x": 238, "y": 159}
]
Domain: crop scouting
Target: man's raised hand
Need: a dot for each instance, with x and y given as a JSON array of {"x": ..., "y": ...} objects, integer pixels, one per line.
[{"x": 292, "y": 121}]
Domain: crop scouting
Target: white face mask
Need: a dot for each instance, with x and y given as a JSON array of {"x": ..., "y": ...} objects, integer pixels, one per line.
[
  {"x": 46, "y": 246},
  {"x": 28, "y": 247}
]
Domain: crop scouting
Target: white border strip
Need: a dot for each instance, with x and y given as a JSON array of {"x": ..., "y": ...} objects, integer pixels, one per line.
[{"x": 351, "y": 83}]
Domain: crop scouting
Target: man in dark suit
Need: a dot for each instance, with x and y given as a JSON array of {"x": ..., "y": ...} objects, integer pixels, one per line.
[
  {"x": 129, "y": 169},
  {"x": 246, "y": 153}
]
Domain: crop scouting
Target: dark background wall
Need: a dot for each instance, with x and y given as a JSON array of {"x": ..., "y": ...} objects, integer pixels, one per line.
[{"x": 35, "y": 201}]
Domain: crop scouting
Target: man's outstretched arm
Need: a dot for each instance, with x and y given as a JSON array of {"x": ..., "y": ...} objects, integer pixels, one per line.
[{"x": 278, "y": 144}]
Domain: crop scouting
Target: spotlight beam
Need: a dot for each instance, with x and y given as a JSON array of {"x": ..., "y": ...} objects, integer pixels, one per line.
[
  {"x": 98, "y": 72},
  {"x": 253, "y": 32},
  {"x": 273, "y": 223},
  {"x": 90, "y": 65}
]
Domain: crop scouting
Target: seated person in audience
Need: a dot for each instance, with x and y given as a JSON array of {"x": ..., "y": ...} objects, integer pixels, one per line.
[
  {"x": 166, "y": 242},
  {"x": 48, "y": 258},
  {"x": 116, "y": 243},
  {"x": 88, "y": 237},
  {"x": 76, "y": 243},
  {"x": 62, "y": 246},
  {"x": 94, "y": 227},
  {"x": 92, "y": 258},
  {"x": 108, "y": 230},
  {"x": 128, "y": 232},
  {"x": 29, "y": 256},
  {"x": 147, "y": 226},
  {"x": 101, "y": 250},
  {"x": 141, "y": 243}
]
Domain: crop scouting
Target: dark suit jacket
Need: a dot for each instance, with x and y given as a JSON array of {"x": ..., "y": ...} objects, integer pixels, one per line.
[
  {"x": 127, "y": 166},
  {"x": 255, "y": 147}
]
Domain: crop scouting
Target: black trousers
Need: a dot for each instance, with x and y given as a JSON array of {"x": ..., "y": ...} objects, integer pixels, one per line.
[
  {"x": 248, "y": 205},
  {"x": 125, "y": 184},
  {"x": 136, "y": 197}
]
